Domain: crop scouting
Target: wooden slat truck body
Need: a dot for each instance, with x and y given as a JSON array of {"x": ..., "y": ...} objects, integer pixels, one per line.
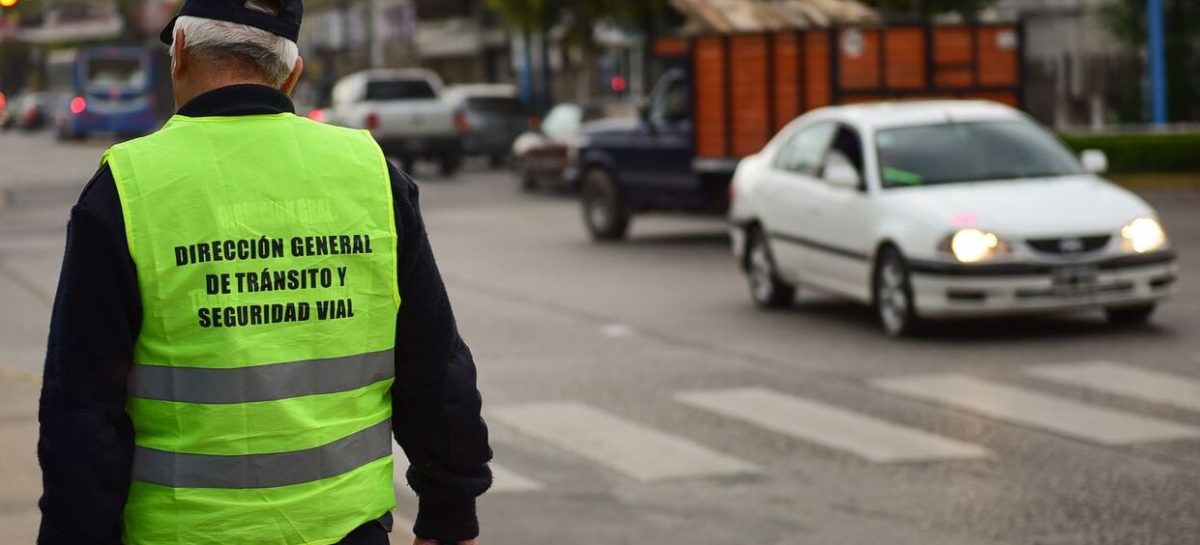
[{"x": 729, "y": 94}]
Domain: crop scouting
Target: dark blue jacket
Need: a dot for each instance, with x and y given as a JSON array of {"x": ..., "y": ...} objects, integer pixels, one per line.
[{"x": 86, "y": 442}]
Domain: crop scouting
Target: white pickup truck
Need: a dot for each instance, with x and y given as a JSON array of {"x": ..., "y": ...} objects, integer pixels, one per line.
[{"x": 405, "y": 112}]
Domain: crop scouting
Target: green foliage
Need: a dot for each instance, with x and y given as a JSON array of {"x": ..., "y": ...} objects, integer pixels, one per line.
[
  {"x": 1143, "y": 153},
  {"x": 930, "y": 7},
  {"x": 580, "y": 16},
  {"x": 1126, "y": 19}
]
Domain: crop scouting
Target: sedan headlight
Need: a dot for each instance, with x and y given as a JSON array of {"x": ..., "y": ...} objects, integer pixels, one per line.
[
  {"x": 975, "y": 245},
  {"x": 1143, "y": 235}
]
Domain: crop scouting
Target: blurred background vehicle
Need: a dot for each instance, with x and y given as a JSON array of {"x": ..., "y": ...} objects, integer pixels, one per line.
[
  {"x": 34, "y": 110},
  {"x": 722, "y": 101},
  {"x": 540, "y": 156},
  {"x": 405, "y": 112},
  {"x": 489, "y": 117},
  {"x": 109, "y": 89},
  {"x": 5, "y": 118},
  {"x": 943, "y": 209}
]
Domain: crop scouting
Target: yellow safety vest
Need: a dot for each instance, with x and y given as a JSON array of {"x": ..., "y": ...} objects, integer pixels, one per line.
[{"x": 260, "y": 397}]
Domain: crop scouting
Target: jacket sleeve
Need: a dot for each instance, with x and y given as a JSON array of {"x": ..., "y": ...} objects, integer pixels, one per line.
[
  {"x": 86, "y": 441},
  {"x": 436, "y": 405}
]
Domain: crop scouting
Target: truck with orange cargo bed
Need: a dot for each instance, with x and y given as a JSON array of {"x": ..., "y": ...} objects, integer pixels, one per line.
[{"x": 727, "y": 95}]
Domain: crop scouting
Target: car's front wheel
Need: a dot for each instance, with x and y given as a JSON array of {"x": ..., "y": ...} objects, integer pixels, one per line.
[
  {"x": 767, "y": 289},
  {"x": 604, "y": 214},
  {"x": 893, "y": 297},
  {"x": 1127, "y": 316}
]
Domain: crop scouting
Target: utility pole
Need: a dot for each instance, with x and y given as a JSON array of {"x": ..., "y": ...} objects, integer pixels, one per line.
[
  {"x": 1158, "y": 66},
  {"x": 374, "y": 40}
]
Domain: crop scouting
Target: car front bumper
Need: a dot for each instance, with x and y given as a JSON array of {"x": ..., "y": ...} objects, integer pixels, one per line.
[{"x": 944, "y": 290}]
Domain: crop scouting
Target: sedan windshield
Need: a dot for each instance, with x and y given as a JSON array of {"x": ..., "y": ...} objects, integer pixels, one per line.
[{"x": 970, "y": 152}]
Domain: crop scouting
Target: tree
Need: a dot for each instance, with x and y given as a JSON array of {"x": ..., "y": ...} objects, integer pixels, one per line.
[
  {"x": 578, "y": 18},
  {"x": 930, "y": 7},
  {"x": 1126, "y": 19}
]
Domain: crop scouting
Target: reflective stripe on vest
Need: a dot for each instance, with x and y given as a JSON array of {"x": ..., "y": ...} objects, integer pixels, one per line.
[{"x": 260, "y": 396}]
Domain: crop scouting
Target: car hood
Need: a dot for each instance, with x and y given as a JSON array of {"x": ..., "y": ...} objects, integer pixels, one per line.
[
  {"x": 614, "y": 126},
  {"x": 1067, "y": 206}
]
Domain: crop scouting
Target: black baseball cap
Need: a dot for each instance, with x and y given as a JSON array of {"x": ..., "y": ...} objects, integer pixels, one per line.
[{"x": 285, "y": 23}]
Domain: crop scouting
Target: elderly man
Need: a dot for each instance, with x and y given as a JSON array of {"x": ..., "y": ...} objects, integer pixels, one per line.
[{"x": 248, "y": 310}]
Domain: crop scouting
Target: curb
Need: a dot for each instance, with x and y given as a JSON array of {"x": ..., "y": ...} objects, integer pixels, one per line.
[{"x": 1176, "y": 182}]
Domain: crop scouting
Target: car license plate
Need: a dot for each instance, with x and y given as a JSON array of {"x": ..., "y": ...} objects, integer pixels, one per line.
[{"x": 1076, "y": 279}]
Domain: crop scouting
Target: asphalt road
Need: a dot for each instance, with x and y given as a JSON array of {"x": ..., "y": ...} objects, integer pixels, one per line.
[{"x": 635, "y": 396}]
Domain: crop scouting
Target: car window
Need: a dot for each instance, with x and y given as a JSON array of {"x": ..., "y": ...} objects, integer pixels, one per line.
[
  {"x": 673, "y": 102},
  {"x": 804, "y": 151},
  {"x": 399, "y": 89},
  {"x": 966, "y": 152}
]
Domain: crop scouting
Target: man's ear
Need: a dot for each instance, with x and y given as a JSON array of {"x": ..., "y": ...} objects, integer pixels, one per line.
[
  {"x": 179, "y": 60},
  {"x": 290, "y": 82}
]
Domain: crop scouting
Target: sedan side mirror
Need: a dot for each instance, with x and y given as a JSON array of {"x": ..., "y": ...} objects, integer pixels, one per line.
[
  {"x": 842, "y": 175},
  {"x": 1094, "y": 161}
]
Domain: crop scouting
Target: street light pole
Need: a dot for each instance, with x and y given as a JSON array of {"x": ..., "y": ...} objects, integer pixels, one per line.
[{"x": 1158, "y": 68}]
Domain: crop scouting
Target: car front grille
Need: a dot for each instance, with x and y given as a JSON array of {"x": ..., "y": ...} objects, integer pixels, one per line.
[{"x": 1070, "y": 245}]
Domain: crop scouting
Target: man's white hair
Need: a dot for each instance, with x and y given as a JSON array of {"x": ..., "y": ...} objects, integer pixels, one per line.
[{"x": 210, "y": 40}]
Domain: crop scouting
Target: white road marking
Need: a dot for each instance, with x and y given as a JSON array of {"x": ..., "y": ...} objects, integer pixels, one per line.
[
  {"x": 503, "y": 479},
  {"x": 1125, "y": 380},
  {"x": 832, "y": 427},
  {"x": 617, "y": 331},
  {"x": 507, "y": 480},
  {"x": 1020, "y": 406},
  {"x": 636, "y": 451}
]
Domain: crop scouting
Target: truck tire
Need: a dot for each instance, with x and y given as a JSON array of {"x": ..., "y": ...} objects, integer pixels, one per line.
[
  {"x": 606, "y": 217},
  {"x": 449, "y": 165}
]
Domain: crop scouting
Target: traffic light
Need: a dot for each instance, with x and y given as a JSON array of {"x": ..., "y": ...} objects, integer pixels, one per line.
[{"x": 8, "y": 3}]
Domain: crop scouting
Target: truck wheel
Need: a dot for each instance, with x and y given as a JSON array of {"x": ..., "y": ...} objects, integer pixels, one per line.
[
  {"x": 1129, "y": 316},
  {"x": 603, "y": 212},
  {"x": 449, "y": 165}
]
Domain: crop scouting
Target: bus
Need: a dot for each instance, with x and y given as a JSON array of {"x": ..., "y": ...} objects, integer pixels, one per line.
[{"x": 103, "y": 89}]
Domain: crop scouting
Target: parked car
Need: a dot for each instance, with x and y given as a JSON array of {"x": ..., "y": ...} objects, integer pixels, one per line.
[
  {"x": 490, "y": 117},
  {"x": 540, "y": 156},
  {"x": 405, "y": 112},
  {"x": 6, "y": 119},
  {"x": 943, "y": 209},
  {"x": 34, "y": 110}
]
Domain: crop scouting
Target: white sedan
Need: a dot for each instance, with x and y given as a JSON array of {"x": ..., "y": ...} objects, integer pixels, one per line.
[{"x": 943, "y": 209}]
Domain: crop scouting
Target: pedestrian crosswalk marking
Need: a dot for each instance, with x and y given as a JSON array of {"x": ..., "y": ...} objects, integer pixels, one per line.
[
  {"x": 832, "y": 427},
  {"x": 507, "y": 480},
  {"x": 1026, "y": 407},
  {"x": 503, "y": 479},
  {"x": 1124, "y": 380},
  {"x": 636, "y": 451}
]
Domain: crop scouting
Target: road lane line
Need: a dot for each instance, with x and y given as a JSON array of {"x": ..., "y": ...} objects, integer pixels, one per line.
[
  {"x": 832, "y": 427},
  {"x": 638, "y": 452},
  {"x": 507, "y": 480},
  {"x": 1021, "y": 406},
  {"x": 1124, "y": 380},
  {"x": 503, "y": 479}
]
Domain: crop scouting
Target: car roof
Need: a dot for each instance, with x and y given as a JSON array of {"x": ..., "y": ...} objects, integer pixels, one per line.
[{"x": 882, "y": 115}]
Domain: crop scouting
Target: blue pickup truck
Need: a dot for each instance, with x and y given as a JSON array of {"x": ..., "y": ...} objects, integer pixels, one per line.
[
  {"x": 727, "y": 95},
  {"x": 647, "y": 164}
]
